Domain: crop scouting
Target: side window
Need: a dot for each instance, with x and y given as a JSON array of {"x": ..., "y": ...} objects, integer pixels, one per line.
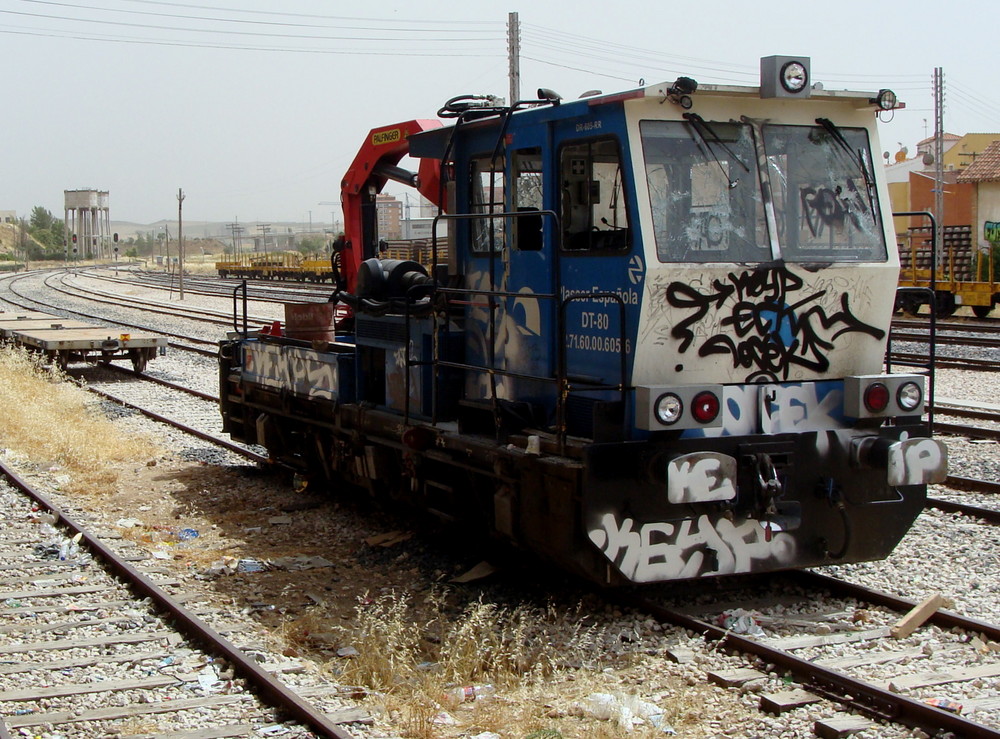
[
  {"x": 593, "y": 200},
  {"x": 528, "y": 199},
  {"x": 486, "y": 197}
]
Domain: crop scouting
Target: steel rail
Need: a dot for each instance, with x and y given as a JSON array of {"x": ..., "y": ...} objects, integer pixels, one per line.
[
  {"x": 944, "y": 619},
  {"x": 972, "y": 485},
  {"x": 977, "y": 365},
  {"x": 948, "y": 506},
  {"x": 267, "y": 686},
  {"x": 193, "y": 339},
  {"x": 165, "y": 383},
  {"x": 957, "y": 429},
  {"x": 834, "y": 685},
  {"x": 204, "y": 435},
  {"x": 203, "y": 315}
]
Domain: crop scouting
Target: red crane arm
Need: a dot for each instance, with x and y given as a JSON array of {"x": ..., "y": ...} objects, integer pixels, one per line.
[{"x": 375, "y": 164}]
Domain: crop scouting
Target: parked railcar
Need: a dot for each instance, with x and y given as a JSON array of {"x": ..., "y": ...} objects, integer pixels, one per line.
[{"x": 654, "y": 350}]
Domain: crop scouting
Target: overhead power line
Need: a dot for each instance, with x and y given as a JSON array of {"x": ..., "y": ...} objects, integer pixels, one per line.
[
  {"x": 343, "y": 23},
  {"x": 313, "y": 15},
  {"x": 225, "y": 32},
  {"x": 341, "y": 51}
]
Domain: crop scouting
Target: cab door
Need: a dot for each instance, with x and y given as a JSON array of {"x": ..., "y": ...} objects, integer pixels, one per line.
[{"x": 601, "y": 267}]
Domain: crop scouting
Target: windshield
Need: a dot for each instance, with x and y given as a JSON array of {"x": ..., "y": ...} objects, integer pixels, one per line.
[
  {"x": 705, "y": 192},
  {"x": 825, "y": 202}
]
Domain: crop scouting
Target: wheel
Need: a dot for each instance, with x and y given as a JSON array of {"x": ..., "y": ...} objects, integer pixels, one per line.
[
  {"x": 910, "y": 305},
  {"x": 981, "y": 311},
  {"x": 945, "y": 305},
  {"x": 139, "y": 360}
]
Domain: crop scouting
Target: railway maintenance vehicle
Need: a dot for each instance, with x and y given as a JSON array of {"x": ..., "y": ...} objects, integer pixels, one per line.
[{"x": 650, "y": 348}]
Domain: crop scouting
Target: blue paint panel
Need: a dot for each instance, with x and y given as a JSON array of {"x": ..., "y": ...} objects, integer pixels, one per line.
[{"x": 525, "y": 330}]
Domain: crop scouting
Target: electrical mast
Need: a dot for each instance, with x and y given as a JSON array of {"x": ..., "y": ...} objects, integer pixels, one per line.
[
  {"x": 514, "y": 57},
  {"x": 939, "y": 161},
  {"x": 180, "y": 244}
]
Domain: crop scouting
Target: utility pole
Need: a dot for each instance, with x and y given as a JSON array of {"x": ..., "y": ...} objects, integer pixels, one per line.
[
  {"x": 180, "y": 244},
  {"x": 232, "y": 232},
  {"x": 938, "y": 162},
  {"x": 265, "y": 229},
  {"x": 514, "y": 56}
]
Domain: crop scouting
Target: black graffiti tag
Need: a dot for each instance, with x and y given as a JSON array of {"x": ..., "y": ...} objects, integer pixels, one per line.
[
  {"x": 763, "y": 331},
  {"x": 825, "y": 207}
]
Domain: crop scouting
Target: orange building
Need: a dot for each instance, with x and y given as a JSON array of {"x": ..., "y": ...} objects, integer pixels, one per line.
[{"x": 959, "y": 198}]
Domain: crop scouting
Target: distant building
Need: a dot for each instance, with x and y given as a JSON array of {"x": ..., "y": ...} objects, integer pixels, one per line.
[
  {"x": 984, "y": 174},
  {"x": 389, "y": 211},
  {"x": 8, "y": 216},
  {"x": 422, "y": 228},
  {"x": 912, "y": 180}
]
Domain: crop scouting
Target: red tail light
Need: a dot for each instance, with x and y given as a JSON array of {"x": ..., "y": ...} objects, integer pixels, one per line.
[
  {"x": 876, "y": 397},
  {"x": 705, "y": 407}
]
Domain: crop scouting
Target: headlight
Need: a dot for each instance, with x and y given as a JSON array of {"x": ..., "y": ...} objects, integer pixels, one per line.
[
  {"x": 668, "y": 409},
  {"x": 794, "y": 76},
  {"x": 885, "y": 100},
  {"x": 909, "y": 396}
]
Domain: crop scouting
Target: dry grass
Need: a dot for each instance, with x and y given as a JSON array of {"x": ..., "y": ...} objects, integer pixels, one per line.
[
  {"x": 58, "y": 426},
  {"x": 542, "y": 664}
]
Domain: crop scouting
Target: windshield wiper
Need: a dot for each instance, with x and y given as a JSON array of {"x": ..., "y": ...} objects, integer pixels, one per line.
[
  {"x": 856, "y": 157},
  {"x": 697, "y": 123}
]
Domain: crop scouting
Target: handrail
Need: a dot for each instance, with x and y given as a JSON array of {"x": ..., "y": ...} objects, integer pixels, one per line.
[
  {"x": 932, "y": 338},
  {"x": 242, "y": 286}
]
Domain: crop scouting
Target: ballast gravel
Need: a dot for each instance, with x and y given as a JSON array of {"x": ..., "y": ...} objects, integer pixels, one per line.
[{"x": 196, "y": 486}]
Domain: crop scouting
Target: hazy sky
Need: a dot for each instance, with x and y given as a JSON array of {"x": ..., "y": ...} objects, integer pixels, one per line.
[{"x": 256, "y": 108}]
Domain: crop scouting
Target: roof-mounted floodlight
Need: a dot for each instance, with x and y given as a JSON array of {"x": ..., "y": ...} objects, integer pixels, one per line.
[
  {"x": 885, "y": 100},
  {"x": 550, "y": 95},
  {"x": 680, "y": 92},
  {"x": 784, "y": 77}
]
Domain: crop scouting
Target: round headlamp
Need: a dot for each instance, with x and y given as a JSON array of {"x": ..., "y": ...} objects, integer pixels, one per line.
[
  {"x": 794, "y": 77},
  {"x": 909, "y": 396},
  {"x": 885, "y": 100},
  {"x": 668, "y": 409}
]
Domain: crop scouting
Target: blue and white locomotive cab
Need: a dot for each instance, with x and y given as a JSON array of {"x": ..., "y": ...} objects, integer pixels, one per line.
[{"x": 656, "y": 348}]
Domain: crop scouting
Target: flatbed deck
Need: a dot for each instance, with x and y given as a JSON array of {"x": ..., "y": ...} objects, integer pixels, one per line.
[
  {"x": 90, "y": 343},
  {"x": 12, "y": 315},
  {"x": 9, "y": 327}
]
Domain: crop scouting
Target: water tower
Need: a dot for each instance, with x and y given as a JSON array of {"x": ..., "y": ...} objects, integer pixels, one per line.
[{"x": 89, "y": 221}]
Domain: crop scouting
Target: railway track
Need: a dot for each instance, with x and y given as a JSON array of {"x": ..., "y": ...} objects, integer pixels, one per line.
[
  {"x": 820, "y": 672},
  {"x": 983, "y": 707},
  {"x": 193, "y": 344},
  {"x": 267, "y": 291},
  {"x": 116, "y": 648},
  {"x": 188, "y": 410}
]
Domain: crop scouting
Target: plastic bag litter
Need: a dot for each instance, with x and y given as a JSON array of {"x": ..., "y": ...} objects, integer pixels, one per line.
[
  {"x": 740, "y": 621},
  {"x": 208, "y": 680},
  {"x": 70, "y": 548},
  {"x": 224, "y": 566},
  {"x": 626, "y": 711},
  {"x": 251, "y": 565}
]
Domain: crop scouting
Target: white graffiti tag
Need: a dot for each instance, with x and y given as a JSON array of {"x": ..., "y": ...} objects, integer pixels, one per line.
[
  {"x": 701, "y": 477},
  {"x": 666, "y": 551},
  {"x": 298, "y": 370},
  {"x": 917, "y": 462}
]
